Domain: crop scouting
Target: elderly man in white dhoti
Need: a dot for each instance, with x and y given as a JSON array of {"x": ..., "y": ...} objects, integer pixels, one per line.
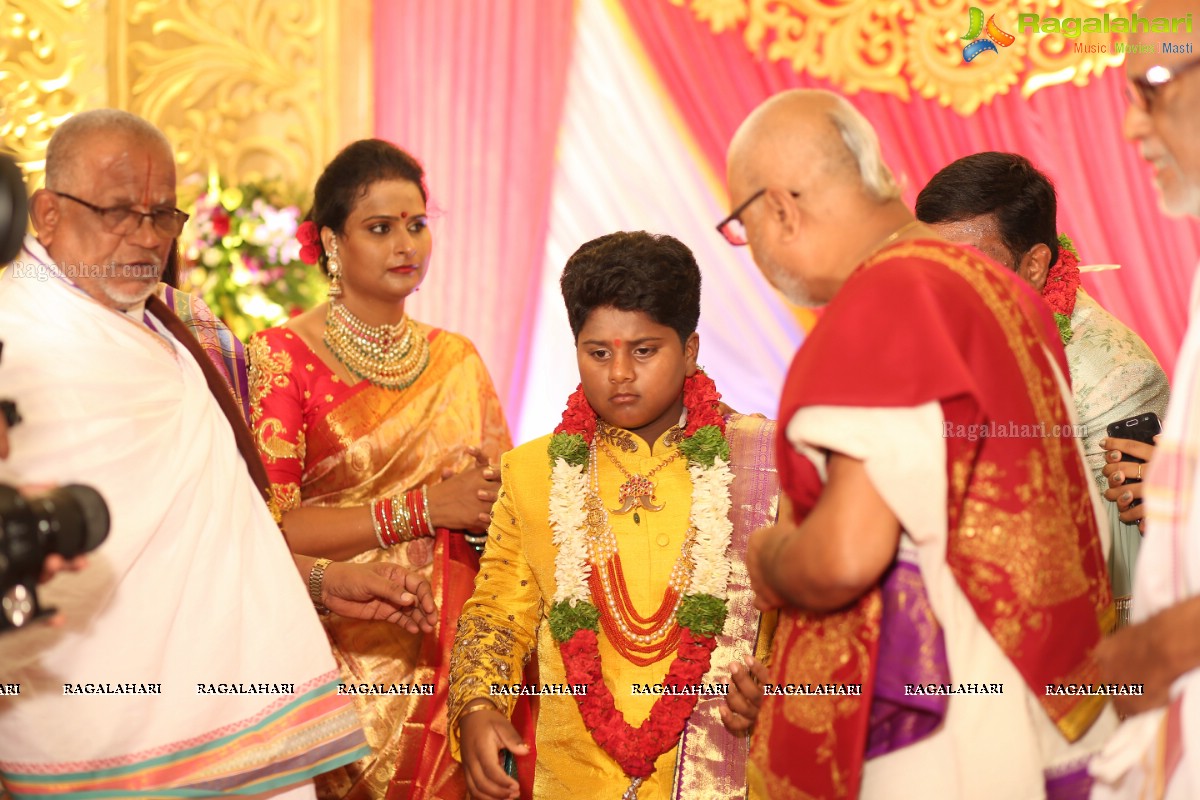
[{"x": 191, "y": 662}]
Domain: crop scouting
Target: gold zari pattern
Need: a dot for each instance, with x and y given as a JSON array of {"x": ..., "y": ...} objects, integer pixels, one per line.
[
  {"x": 1035, "y": 567},
  {"x": 353, "y": 445},
  {"x": 268, "y": 370},
  {"x": 482, "y": 648}
]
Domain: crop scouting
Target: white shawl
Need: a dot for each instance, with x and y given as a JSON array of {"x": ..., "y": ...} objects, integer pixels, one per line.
[{"x": 194, "y": 585}]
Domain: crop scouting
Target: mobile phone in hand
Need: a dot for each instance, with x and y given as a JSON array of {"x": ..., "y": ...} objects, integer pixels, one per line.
[{"x": 1142, "y": 428}]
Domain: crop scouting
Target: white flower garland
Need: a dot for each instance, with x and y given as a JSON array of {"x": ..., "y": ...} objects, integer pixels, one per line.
[
  {"x": 568, "y": 521},
  {"x": 711, "y": 504}
]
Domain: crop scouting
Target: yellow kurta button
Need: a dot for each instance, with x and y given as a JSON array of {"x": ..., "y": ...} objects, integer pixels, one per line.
[{"x": 662, "y": 540}]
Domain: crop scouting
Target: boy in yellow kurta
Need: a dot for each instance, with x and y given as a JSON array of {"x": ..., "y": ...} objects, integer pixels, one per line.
[{"x": 616, "y": 550}]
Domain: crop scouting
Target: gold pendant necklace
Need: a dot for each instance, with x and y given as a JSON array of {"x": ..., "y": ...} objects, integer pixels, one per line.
[
  {"x": 638, "y": 490},
  {"x": 388, "y": 356}
]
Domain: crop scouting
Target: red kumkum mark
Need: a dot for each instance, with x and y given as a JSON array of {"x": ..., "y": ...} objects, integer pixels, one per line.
[{"x": 617, "y": 342}]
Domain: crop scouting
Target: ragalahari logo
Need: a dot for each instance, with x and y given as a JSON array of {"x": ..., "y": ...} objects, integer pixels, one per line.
[{"x": 992, "y": 36}]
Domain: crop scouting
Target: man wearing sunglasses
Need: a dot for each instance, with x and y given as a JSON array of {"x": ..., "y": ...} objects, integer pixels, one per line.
[
  {"x": 1156, "y": 752},
  {"x": 191, "y": 662}
]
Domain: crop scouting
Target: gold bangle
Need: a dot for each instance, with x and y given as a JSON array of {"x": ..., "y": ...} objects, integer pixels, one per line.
[
  {"x": 401, "y": 519},
  {"x": 316, "y": 577},
  {"x": 481, "y": 704}
]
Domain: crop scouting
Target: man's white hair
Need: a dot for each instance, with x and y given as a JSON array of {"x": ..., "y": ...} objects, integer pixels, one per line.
[
  {"x": 63, "y": 150},
  {"x": 863, "y": 144}
]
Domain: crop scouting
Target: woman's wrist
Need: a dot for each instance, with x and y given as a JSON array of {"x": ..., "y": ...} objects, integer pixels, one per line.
[
  {"x": 433, "y": 506},
  {"x": 401, "y": 518}
]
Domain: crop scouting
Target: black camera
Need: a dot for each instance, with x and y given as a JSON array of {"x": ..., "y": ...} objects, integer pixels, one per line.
[
  {"x": 69, "y": 521},
  {"x": 13, "y": 209}
]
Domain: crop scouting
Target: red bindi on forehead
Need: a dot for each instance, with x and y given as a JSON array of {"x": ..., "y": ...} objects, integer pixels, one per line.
[
  {"x": 617, "y": 342},
  {"x": 403, "y": 215}
]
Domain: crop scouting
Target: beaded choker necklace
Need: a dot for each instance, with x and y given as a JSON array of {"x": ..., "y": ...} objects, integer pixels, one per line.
[{"x": 389, "y": 356}]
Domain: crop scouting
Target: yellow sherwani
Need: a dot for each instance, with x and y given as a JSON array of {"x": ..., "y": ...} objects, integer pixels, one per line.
[{"x": 506, "y": 617}]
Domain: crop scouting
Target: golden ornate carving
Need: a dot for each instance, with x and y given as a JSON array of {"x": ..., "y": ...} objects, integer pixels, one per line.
[
  {"x": 247, "y": 88},
  {"x": 905, "y": 46},
  {"x": 235, "y": 86},
  {"x": 48, "y": 71}
]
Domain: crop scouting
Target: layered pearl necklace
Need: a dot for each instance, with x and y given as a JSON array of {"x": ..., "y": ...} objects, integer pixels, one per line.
[{"x": 388, "y": 356}]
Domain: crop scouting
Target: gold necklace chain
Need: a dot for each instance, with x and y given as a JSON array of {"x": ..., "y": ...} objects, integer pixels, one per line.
[
  {"x": 625, "y": 472},
  {"x": 638, "y": 490},
  {"x": 893, "y": 236},
  {"x": 389, "y": 356}
]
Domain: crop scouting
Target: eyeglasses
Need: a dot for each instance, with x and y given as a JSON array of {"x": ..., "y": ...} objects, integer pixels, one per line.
[
  {"x": 124, "y": 220},
  {"x": 1144, "y": 88},
  {"x": 732, "y": 227}
]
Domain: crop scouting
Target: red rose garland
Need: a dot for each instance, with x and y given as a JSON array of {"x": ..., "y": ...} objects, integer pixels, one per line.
[
  {"x": 578, "y": 417},
  {"x": 636, "y": 749},
  {"x": 701, "y": 398},
  {"x": 1062, "y": 286}
]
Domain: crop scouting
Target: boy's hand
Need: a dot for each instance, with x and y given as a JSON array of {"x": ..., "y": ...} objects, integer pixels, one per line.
[
  {"x": 482, "y": 735},
  {"x": 740, "y": 711}
]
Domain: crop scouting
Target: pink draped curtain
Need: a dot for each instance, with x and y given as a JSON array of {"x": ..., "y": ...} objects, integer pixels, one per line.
[
  {"x": 1107, "y": 203},
  {"x": 475, "y": 91}
]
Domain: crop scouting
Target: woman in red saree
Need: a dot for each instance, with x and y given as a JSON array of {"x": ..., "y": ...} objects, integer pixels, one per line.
[{"x": 377, "y": 432}]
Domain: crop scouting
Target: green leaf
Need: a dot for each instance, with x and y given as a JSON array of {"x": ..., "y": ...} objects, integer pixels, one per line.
[
  {"x": 703, "y": 614},
  {"x": 570, "y": 447},
  {"x": 565, "y": 619},
  {"x": 1065, "y": 243},
  {"x": 705, "y": 446},
  {"x": 1064, "y": 326}
]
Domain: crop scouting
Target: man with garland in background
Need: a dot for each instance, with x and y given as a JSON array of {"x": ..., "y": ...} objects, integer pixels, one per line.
[
  {"x": 951, "y": 574},
  {"x": 1001, "y": 205},
  {"x": 616, "y": 550}
]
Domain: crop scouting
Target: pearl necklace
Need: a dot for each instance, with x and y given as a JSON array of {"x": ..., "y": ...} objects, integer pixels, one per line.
[{"x": 388, "y": 356}]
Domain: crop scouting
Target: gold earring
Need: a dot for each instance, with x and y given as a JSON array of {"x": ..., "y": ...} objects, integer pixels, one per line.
[{"x": 335, "y": 273}]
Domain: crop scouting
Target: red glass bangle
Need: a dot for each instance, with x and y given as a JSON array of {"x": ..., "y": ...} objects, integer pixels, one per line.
[{"x": 413, "y": 501}]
